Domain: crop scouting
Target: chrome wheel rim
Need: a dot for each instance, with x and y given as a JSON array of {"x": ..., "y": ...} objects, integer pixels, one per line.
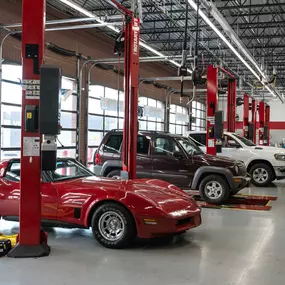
[
  {"x": 214, "y": 190},
  {"x": 111, "y": 226},
  {"x": 260, "y": 175}
]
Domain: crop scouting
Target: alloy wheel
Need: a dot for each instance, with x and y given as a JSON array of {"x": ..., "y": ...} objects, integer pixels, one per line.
[
  {"x": 111, "y": 226},
  {"x": 260, "y": 175},
  {"x": 214, "y": 190}
]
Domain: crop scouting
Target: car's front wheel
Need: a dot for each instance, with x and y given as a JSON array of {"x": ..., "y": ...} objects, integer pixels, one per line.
[
  {"x": 113, "y": 226},
  {"x": 214, "y": 189},
  {"x": 262, "y": 174}
]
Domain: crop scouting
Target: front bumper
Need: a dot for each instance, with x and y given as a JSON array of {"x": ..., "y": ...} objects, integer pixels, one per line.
[
  {"x": 279, "y": 172},
  {"x": 240, "y": 182},
  {"x": 166, "y": 226}
]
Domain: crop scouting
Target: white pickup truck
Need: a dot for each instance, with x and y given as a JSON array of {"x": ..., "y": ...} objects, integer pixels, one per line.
[{"x": 264, "y": 163}]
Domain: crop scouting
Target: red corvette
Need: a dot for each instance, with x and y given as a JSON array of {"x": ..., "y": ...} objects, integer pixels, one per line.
[{"x": 117, "y": 211}]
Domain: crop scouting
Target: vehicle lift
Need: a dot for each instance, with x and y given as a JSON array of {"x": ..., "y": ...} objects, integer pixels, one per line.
[
  {"x": 131, "y": 83},
  {"x": 42, "y": 87},
  {"x": 215, "y": 118},
  {"x": 249, "y": 127},
  {"x": 264, "y": 124}
]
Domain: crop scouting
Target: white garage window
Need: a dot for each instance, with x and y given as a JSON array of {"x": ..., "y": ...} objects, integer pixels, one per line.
[
  {"x": 106, "y": 112},
  {"x": 199, "y": 116},
  {"x": 11, "y": 114},
  {"x": 179, "y": 118}
]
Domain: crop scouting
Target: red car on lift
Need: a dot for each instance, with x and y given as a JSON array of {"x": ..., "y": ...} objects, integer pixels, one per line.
[{"x": 117, "y": 211}]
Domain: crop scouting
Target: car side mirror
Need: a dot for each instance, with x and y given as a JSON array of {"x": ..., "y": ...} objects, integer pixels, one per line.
[{"x": 232, "y": 143}]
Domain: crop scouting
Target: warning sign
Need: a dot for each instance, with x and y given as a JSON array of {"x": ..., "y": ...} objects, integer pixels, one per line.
[
  {"x": 211, "y": 120},
  {"x": 31, "y": 146},
  {"x": 32, "y": 88}
]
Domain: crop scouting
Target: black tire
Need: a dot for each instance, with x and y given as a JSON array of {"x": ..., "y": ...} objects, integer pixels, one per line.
[
  {"x": 263, "y": 169},
  {"x": 114, "y": 173},
  {"x": 126, "y": 221},
  {"x": 219, "y": 181}
]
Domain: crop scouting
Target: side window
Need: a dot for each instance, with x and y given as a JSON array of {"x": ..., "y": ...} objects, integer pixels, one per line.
[
  {"x": 142, "y": 145},
  {"x": 13, "y": 172},
  {"x": 113, "y": 144},
  {"x": 166, "y": 146},
  {"x": 201, "y": 138},
  {"x": 229, "y": 142}
]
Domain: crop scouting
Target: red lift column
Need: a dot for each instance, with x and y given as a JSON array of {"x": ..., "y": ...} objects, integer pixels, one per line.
[
  {"x": 254, "y": 118},
  {"x": 245, "y": 115},
  {"x": 132, "y": 37},
  {"x": 31, "y": 240},
  {"x": 261, "y": 123},
  {"x": 267, "y": 124},
  {"x": 212, "y": 105},
  {"x": 231, "y": 112}
]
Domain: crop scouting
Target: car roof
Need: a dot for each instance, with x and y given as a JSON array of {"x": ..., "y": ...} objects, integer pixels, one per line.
[{"x": 167, "y": 134}]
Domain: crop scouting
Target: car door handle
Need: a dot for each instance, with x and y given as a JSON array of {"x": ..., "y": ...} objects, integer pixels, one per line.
[{"x": 183, "y": 170}]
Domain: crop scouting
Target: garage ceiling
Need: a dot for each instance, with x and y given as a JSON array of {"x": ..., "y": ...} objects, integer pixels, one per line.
[{"x": 258, "y": 23}]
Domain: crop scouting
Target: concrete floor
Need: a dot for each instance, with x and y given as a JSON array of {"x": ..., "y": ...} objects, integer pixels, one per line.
[{"x": 230, "y": 248}]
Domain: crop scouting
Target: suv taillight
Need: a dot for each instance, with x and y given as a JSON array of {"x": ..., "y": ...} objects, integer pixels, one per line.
[{"x": 97, "y": 158}]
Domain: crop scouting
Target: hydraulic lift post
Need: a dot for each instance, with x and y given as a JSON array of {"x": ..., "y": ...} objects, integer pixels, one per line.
[
  {"x": 254, "y": 118},
  {"x": 245, "y": 115},
  {"x": 215, "y": 118},
  {"x": 231, "y": 111},
  {"x": 32, "y": 241},
  {"x": 212, "y": 105},
  {"x": 267, "y": 125},
  {"x": 131, "y": 77},
  {"x": 261, "y": 123}
]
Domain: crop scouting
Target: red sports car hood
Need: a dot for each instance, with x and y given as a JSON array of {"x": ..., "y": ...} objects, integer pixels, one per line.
[{"x": 164, "y": 196}]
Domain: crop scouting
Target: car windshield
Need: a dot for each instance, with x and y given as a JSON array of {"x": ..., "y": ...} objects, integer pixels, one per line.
[
  {"x": 68, "y": 169},
  {"x": 189, "y": 146},
  {"x": 244, "y": 140}
]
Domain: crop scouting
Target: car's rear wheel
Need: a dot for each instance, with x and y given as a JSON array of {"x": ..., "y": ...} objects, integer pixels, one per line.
[
  {"x": 113, "y": 226},
  {"x": 114, "y": 174},
  {"x": 214, "y": 189},
  {"x": 261, "y": 174}
]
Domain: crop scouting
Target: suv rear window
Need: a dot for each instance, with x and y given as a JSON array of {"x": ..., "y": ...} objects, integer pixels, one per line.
[
  {"x": 201, "y": 138},
  {"x": 113, "y": 144}
]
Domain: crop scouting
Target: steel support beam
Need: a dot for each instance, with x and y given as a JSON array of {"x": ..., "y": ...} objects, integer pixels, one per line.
[{"x": 32, "y": 241}]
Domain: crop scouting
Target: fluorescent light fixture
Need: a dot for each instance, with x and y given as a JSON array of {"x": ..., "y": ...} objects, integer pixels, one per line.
[
  {"x": 224, "y": 39},
  {"x": 114, "y": 29}
]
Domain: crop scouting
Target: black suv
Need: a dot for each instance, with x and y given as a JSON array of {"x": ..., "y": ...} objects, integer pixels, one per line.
[{"x": 177, "y": 160}]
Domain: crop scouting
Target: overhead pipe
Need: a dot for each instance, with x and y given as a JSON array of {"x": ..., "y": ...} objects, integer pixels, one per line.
[{"x": 65, "y": 21}]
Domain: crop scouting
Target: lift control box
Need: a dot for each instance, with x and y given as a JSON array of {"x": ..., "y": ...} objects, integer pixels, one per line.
[{"x": 50, "y": 98}]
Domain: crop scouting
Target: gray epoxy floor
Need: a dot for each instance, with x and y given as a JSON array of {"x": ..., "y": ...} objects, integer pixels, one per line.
[{"x": 230, "y": 248}]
